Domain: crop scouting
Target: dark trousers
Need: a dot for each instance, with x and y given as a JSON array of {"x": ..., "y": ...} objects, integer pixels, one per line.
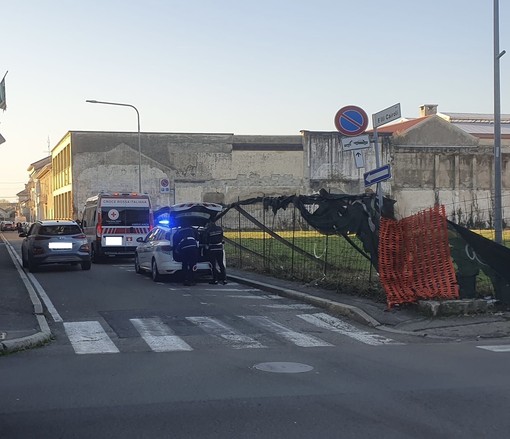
[
  {"x": 216, "y": 261},
  {"x": 189, "y": 260}
]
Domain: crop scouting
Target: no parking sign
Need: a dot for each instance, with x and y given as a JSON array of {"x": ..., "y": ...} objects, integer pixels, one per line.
[
  {"x": 164, "y": 185},
  {"x": 351, "y": 120}
]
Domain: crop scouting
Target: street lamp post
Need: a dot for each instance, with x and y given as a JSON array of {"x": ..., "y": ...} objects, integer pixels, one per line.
[
  {"x": 498, "y": 220},
  {"x": 90, "y": 101}
]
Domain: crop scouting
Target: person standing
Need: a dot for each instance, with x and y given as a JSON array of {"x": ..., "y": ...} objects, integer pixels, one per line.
[
  {"x": 214, "y": 247},
  {"x": 186, "y": 247}
]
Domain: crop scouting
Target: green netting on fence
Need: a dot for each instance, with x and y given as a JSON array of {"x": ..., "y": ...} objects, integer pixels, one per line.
[{"x": 281, "y": 243}]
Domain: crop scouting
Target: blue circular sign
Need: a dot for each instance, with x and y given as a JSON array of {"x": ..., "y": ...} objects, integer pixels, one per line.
[{"x": 351, "y": 120}]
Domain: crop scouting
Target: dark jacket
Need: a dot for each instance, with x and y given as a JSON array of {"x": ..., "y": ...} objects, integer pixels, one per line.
[
  {"x": 185, "y": 239},
  {"x": 214, "y": 237}
]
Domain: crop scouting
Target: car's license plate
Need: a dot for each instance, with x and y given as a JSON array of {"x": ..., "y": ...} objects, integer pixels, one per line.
[
  {"x": 113, "y": 240},
  {"x": 61, "y": 245}
]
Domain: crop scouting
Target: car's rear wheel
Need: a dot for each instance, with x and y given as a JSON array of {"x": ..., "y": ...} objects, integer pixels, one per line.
[
  {"x": 156, "y": 277},
  {"x": 95, "y": 256},
  {"x": 138, "y": 269},
  {"x": 23, "y": 260},
  {"x": 86, "y": 265},
  {"x": 32, "y": 265}
]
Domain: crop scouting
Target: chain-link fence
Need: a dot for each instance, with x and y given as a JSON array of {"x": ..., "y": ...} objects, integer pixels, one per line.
[{"x": 281, "y": 243}]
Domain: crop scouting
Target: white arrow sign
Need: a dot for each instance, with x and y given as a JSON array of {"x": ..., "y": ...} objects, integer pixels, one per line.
[
  {"x": 377, "y": 175},
  {"x": 358, "y": 159}
]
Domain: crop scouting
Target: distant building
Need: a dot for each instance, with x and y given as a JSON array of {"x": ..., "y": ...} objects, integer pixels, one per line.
[{"x": 175, "y": 167}]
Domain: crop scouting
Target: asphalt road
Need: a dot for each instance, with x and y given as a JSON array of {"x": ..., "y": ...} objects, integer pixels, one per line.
[{"x": 138, "y": 359}]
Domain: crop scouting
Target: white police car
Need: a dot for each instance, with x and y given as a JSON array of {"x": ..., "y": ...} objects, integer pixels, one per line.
[{"x": 155, "y": 253}]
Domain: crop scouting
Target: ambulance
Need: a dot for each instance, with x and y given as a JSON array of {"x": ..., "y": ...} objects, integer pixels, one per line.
[{"x": 114, "y": 221}]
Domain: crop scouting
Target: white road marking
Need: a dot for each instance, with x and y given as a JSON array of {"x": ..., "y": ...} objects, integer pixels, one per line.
[
  {"x": 159, "y": 336},
  {"x": 299, "y": 339},
  {"x": 496, "y": 348},
  {"x": 325, "y": 321},
  {"x": 240, "y": 296},
  {"x": 231, "y": 289},
  {"x": 219, "y": 329},
  {"x": 89, "y": 338},
  {"x": 290, "y": 306},
  {"x": 42, "y": 294}
]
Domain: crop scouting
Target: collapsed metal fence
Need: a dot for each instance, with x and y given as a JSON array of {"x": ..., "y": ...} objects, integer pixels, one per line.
[
  {"x": 282, "y": 244},
  {"x": 278, "y": 239}
]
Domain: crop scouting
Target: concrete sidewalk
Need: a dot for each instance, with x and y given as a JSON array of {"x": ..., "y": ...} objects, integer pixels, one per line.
[{"x": 23, "y": 325}]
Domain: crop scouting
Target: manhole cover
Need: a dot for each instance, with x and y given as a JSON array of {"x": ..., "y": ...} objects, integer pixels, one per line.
[{"x": 283, "y": 367}]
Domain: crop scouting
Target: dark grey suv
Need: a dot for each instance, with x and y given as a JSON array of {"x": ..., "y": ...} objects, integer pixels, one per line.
[{"x": 55, "y": 242}]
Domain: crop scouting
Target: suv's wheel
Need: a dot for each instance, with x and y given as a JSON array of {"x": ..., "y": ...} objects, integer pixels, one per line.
[
  {"x": 86, "y": 265},
  {"x": 23, "y": 260},
  {"x": 95, "y": 256},
  {"x": 32, "y": 265},
  {"x": 156, "y": 277},
  {"x": 137, "y": 265}
]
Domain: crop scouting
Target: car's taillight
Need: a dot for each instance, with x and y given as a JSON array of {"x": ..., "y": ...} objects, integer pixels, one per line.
[
  {"x": 99, "y": 227},
  {"x": 84, "y": 248},
  {"x": 81, "y": 236},
  {"x": 41, "y": 238},
  {"x": 166, "y": 249},
  {"x": 37, "y": 250}
]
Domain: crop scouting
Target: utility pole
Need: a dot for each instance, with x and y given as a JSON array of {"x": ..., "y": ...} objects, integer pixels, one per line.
[{"x": 498, "y": 221}]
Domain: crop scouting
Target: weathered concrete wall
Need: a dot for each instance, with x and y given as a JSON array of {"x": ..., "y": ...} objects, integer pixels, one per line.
[
  {"x": 435, "y": 162},
  {"x": 328, "y": 166},
  {"x": 201, "y": 167}
]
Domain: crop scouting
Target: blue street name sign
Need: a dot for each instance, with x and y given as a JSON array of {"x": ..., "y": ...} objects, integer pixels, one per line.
[{"x": 377, "y": 175}]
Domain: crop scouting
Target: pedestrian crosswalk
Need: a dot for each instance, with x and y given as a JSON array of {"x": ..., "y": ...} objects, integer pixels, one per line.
[{"x": 316, "y": 330}]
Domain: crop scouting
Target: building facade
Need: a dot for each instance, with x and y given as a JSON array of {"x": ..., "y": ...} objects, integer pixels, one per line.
[
  {"x": 434, "y": 159},
  {"x": 175, "y": 167}
]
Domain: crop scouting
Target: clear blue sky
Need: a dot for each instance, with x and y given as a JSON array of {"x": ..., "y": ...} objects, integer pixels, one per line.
[{"x": 235, "y": 66}]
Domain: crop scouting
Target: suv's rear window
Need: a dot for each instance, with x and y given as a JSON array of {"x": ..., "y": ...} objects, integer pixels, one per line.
[{"x": 59, "y": 230}]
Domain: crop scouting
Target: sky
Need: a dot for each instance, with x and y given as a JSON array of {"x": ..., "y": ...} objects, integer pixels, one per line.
[{"x": 265, "y": 67}]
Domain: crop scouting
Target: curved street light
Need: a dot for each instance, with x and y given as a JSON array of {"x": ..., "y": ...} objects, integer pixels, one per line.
[{"x": 92, "y": 101}]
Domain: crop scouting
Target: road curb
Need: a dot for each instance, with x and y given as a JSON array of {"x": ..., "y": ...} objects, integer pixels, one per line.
[
  {"x": 350, "y": 311},
  {"x": 39, "y": 338},
  {"x": 353, "y": 312},
  {"x": 30, "y": 341}
]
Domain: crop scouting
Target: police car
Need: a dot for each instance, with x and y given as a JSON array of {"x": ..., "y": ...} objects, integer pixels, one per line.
[{"x": 155, "y": 253}]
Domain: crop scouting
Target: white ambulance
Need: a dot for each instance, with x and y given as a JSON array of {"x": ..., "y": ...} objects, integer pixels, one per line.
[{"x": 114, "y": 221}]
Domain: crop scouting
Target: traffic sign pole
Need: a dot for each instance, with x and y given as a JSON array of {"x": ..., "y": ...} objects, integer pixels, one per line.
[
  {"x": 387, "y": 115},
  {"x": 378, "y": 189}
]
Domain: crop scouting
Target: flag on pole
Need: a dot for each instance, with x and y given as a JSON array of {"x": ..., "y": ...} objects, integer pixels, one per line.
[{"x": 3, "y": 101}]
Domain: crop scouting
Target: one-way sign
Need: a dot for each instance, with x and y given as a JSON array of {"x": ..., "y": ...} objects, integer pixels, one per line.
[{"x": 377, "y": 175}]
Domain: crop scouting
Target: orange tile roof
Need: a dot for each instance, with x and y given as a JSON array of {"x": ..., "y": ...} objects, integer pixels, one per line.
[{"x": 400, "y": 126}]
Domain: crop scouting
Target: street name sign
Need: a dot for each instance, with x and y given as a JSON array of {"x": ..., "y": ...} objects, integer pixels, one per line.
[
  {"x": 358, "y": 142},
  {"x": 377, "y": 175},
  {"x": 351, "y": 120},
  {"x": 387, "y": 115}
]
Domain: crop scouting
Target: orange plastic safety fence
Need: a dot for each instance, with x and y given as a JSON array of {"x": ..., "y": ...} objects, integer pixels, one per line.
[{"x": 414, "y": 258}]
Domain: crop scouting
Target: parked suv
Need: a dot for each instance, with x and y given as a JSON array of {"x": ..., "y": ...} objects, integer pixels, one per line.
[
  {"x": 156, "y": 252},
  {"x": 55, "y": 242}
]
